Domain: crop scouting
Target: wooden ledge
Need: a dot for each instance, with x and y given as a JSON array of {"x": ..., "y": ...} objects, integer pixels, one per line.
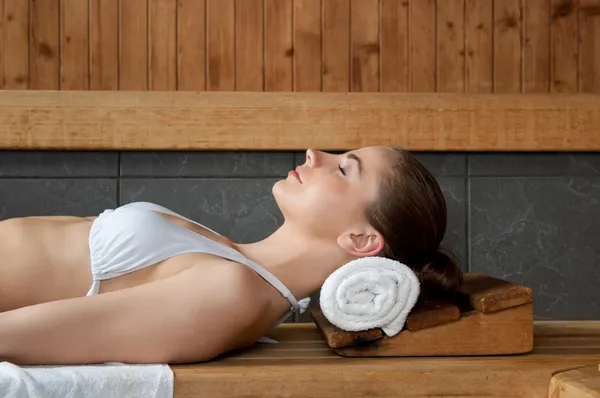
[
  {"x": 303, "y": 365},
  {"x": 119, "y": 120}
]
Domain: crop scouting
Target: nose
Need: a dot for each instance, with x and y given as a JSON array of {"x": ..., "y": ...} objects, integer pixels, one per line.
[{"x": 311, "y": 157}]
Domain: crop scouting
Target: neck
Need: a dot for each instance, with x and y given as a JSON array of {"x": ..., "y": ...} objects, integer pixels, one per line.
[{"x": 300, "y": 262}]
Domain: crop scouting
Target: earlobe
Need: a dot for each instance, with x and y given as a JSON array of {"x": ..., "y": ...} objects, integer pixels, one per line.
[{"x": 361, "y": 245}]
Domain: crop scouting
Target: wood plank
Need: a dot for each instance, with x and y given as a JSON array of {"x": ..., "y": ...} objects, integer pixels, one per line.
[
  {"x": 318, "y": 371},
  {"x": 536, "y": 46},
  {"x": 220, "y": 21},
  {"x": 450, "y": 58},
  {"x": 564, "y": 51},
  {"x": 163, "y": 45},
  {"x": 337, "y": 338},
  {"x": 431, "y": 312},
  {"x": 104, "y": 44},
  {"x": 44, "y": 59},
  {"x": 507, "y": 46},
  {"x": 307, "y": 45},
  {"x": 133, "y": 53},
  {"x": 479, "y": 26},
  {"x": 336, "y": 45},
  {"x": 191, "y": 42},
  {"x": 279, "y": 51},
  {"x": 582, "y": 382},
  {"x": 249, "y": 65},
  {"x": 488, "y": 294},
  {"x": 393, "y": 74},
  {"x": 15, "y": 41},
  {"x": 589, "y": 54},
  {"x": 364, "y": 48},
  {"x": 421, "y": 16},
  {"x": 202, "y": 121},
  {"x": 74, "y": 35},
  {"x": 504, "y": 332}
]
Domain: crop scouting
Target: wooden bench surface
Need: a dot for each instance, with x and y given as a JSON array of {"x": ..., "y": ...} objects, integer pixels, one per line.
[
  {"x": 302, "y": 365},
  {"x": 121, "y": 120}
]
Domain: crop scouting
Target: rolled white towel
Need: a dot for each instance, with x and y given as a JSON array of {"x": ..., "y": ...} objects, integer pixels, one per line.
[{"x": 370, "y": 292}]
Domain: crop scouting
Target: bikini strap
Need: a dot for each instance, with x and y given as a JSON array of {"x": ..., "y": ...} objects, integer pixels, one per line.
[{"x": 228, "y": 252}]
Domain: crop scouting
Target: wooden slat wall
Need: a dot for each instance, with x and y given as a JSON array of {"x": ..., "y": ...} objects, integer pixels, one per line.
[{"x": 500, "y": 46}]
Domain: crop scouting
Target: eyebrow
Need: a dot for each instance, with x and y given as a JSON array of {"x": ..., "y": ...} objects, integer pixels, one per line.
[{"x": 358, "y": 160}]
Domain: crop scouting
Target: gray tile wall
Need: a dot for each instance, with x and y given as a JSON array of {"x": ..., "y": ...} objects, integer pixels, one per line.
[{"x": 530, "y": 218}]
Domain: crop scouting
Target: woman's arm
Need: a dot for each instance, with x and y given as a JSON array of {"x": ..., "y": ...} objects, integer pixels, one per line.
[{"x": 190, "y": 317}]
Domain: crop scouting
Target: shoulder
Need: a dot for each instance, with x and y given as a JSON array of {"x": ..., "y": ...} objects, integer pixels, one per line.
[
  {"x": 246, "y": 290},
  {"x": 231, "y": 286}
]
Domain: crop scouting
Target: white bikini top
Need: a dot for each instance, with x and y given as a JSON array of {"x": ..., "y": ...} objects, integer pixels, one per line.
[{"x": 134, "y": 236}]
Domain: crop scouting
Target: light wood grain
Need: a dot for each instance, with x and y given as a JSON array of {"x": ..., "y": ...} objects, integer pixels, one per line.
[
  {"x": 220, "y": 46},
  {"x": 422, "y": 36},
  {"x": 15, "y": 41},
  {"x": 336, "y": 45},
  {"x": 564, "y": 50},
  {"x": 479, "y": 33},
  {"x": 74, "y": 57},
  {"x": 302, "y": 365},
  {"x": 133, "y": 46},
  {"x": 191, "y": 42},
  {"x": 44, "y": 39},
  {"x": 450, "y": 49},
  {"x": 278, "y": 49},
  {"x": 71, "y": 120},
  {"x": 249, "y": 39},
  {"x": 104, "y": 44},
  {"x": 307, "y": 45},
  {"x": 536, "y": 46},
  {"x": 393, "y": 43},
  {"x": 582, "y": 382},
  {"x": 364, "y": 48},
  {"x": 589, "y": 50},
  {"x": 163, "y": 45},
  {"x": 507, "y": 46}
]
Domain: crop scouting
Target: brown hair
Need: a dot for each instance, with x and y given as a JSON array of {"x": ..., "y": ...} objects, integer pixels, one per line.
[{"x": 411, "y": 216}]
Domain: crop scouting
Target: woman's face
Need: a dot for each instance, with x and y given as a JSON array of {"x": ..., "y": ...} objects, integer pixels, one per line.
[{"x": 327, "y": 196}]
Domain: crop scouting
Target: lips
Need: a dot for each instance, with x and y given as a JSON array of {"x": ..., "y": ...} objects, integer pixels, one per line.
[{"x": 296, "y": 175}]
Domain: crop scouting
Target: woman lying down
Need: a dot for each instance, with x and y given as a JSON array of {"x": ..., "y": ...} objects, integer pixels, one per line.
[{"x": 142, "y": 284}]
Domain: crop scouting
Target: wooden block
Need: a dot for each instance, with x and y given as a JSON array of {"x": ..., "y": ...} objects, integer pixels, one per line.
[
  {"x": 487, "y": 294},
  {"x": 583, "y": 382},
  {"x": 476, "y": 333},
  {"x": 429, "y": 313},
  {"x": 479, "y": 292},
  {"x": 336, "y": 337}
]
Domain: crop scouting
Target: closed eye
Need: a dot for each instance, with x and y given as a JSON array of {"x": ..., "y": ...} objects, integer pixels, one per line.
[{"x": 342, "y": 170}]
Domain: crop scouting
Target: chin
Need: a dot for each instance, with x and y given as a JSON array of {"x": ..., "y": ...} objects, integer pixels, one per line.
[{"x": 278, "y": 195}]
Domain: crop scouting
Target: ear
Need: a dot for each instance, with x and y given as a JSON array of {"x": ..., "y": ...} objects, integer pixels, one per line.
[{"x": 366, "y": 244}]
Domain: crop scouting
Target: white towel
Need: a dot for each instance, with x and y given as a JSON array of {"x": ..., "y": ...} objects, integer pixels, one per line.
[
  {"x": 370, "y": 292},
  {"x": 89, "y": 381}
]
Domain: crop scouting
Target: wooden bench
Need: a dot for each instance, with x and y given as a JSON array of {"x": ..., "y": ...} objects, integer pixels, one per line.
[{"x": 302, "y": 364}]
